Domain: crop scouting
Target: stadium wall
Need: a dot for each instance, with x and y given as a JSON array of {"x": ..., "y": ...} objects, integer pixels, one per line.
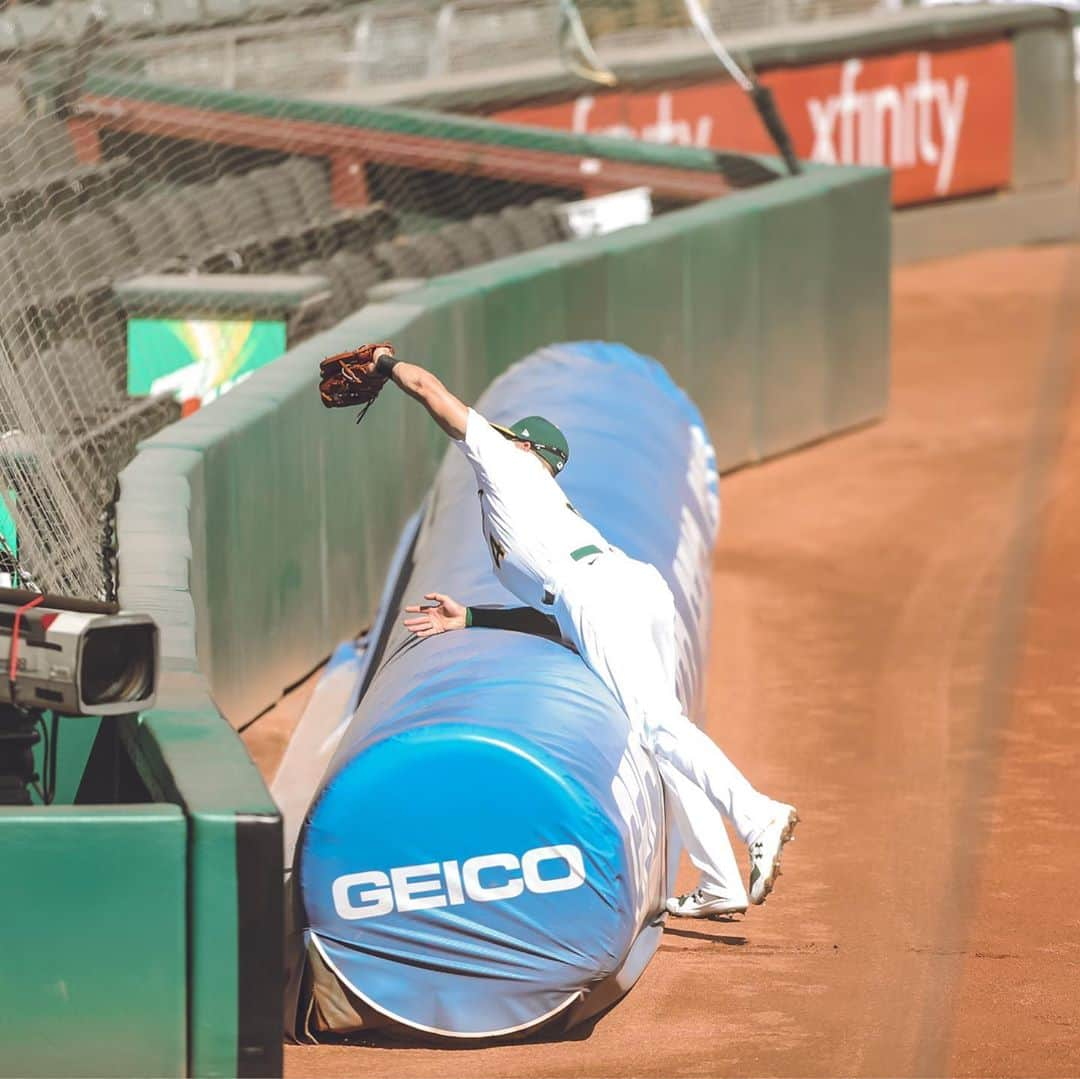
[
  {"x": 1006, "y": 172},
  {"x": 143, "y": 928},
  {"x": 259, "y": 530}
]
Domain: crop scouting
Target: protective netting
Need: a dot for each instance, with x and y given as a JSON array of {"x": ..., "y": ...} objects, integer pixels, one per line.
[
  {"x": 155, "y": 248},
  {"x": 238, "y": 44}
]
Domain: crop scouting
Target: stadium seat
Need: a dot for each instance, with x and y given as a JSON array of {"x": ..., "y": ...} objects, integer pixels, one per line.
[
  {"x": 472, "y": 249},
  {"x": 439, "y": 256},
  {"x": 9, "y": 34},
  {"x": 73, "y": 374},
  {"x": 248, "y": 212},
  {"x": 40, "y": 27},
  {"x": 178, "y": 218},
  {"x": 499, "y": 236},
  {"x": 17, "y": 323},
  {"x": 43, "y": 266},
  {"x": 45, "y": 189},
  {"x": 275, "y": 9},
  {"x": 293, "y": 236},
  {"x": 52, "y": 145},
  {"x": 234, "y": 249},
  {"x": 534, "y": 227},
  {"x": 128, "y": 18},
  {"x": 71, "y": 283},
  {"x": 156, "y": 247},
  {"x": 77, "y": 15},
  {"x": 312, "y": 183},
  {"x": 40, "y": 175},
  {"x": 95, "y": 254},
  {"x": 360, "y": 274},
  {"x": 279, "y": 195},
  {"x": 179, "y": 15},
  {"x": 401, "y": 258},
  {"x": 221, "y": 11}
]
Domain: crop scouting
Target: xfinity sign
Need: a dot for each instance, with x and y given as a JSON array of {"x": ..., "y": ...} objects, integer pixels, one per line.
[{"x": 487, "y": 878}]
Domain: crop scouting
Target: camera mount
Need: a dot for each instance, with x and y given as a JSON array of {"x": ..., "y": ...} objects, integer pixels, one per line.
[{"x": 20, "y": 731}]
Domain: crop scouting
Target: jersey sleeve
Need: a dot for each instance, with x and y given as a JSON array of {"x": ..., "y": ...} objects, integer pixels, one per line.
[{"x": 486, "y": 450}]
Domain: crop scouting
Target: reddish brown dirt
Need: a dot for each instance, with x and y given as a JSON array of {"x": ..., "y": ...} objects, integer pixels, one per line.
[{"x": 896, "y": 649}]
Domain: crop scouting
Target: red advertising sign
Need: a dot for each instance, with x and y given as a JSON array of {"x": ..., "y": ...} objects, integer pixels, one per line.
[{"x": 941, "y": 118}]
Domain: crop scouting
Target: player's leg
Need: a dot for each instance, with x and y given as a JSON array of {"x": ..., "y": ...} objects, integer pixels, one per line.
[
  {"x": 763, "y": 824},
  {"x": 667, "y": 724},
  {"x": 619, "y": 642},
  {"x": 720, "y": 890},
  {"x": 594, "y": 624}
]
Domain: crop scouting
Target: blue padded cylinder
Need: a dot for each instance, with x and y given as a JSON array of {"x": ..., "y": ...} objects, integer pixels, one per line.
[{"x": 489, "y": 843}]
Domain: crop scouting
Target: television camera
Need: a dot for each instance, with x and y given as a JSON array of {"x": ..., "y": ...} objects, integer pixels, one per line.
[{"x": 69, "y": 657}]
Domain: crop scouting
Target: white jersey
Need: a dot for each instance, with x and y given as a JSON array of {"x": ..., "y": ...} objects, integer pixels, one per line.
[
  {"x": 619, "y": 615},
  {"x": 534, "y": 534}
]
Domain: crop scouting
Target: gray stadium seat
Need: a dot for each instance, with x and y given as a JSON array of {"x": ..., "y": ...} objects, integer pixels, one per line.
[
  {"x": 43, "y": 266},
  {"x": 9, "y": 34},
  {"x": 439, "y": 255},
  {"x": 500, "y": 237},
  {"x": 16, "y": 318},
  {"x": 360, "y": 273},
  {"x": 178, "y": 15},
  {"x": 252, "y": 219},
  {"x": 52, "y": 143},
  {"x": 279, "y": 196},
  {"x": 534, "y": 228},
  {"x": 274, "y": 9},
  {"x": 176, "y": 217},
  {"x": 126, "y": 18},
  {"x": 401, "y": 258},
  {"x": 219, "y": 11},
  {"x": 555, "y": 221},
  {"x": 470, "y": 246},
  {"x": 74, "y": 376},
  {"x": 77, "y": 15},
  {"x": 235, "y": 249},
  {"x": 156, "y": 246},
  {"x": 338, "y": 306},
  {"x": 96, "y": 254},
  {"x": 312, "y": 182},
  {"x": 39, "y": 27}
]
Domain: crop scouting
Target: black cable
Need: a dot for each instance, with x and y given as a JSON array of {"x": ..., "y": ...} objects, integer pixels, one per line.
[
  {"x": 41, "y": 782},
  {"x": 765, "y": 104},
  {"x": 52, "y": 752}
]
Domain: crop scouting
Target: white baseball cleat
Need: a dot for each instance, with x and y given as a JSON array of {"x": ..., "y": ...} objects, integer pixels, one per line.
[
  {"x": 766, "y": 849},
  {"x": 702, "y": 904}
]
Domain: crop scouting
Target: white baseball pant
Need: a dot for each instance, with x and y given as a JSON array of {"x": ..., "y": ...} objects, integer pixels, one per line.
[{"x": 620, "y": 615}]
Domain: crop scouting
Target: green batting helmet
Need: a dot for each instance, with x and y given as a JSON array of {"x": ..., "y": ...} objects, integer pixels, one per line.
[{"x": 547, "y": 440}]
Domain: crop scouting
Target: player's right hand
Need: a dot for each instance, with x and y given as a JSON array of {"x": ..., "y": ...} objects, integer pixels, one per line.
[{"x": 439, "y": 616}]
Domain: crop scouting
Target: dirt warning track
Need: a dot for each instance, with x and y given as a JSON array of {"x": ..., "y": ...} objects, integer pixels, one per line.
[{"x": 896, "y": 650}]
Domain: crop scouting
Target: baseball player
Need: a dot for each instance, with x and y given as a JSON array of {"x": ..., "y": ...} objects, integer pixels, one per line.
[{"x": 619, "y": 614}]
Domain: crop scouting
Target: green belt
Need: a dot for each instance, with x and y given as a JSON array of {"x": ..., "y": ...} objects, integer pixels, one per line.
[{"x": 584, "y": 552}]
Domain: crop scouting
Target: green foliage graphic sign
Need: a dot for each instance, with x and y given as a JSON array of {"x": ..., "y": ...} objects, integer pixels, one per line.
[{"x": 198, "y": 359}]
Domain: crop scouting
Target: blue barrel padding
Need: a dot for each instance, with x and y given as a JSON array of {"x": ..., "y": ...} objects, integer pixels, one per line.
[{"x": 489, "y": 840}]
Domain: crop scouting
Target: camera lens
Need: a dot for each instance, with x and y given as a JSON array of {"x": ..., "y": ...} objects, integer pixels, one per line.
[{"x": 118, "y": 664}]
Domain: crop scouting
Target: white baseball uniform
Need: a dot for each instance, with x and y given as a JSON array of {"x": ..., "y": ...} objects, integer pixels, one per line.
[{"x": 620, "y": 616}]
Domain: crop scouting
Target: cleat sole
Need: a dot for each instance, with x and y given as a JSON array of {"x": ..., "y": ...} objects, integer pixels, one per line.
[{"x": 786, "y": 837}]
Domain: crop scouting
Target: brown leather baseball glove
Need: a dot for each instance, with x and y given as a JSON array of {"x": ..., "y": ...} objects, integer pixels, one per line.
[{"x": 349, "y": 378}]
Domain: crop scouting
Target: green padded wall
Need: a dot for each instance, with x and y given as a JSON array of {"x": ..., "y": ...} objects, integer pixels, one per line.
[
  {"x": 769, "y": 306},
  {"x": 234, "y": 899},
  {"x": 93, "y": 940}
]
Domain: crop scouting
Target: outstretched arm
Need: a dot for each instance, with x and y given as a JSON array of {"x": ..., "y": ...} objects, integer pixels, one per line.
[
  {"x": 446, "y": 410},
  {"x": 446, "y": 614}
]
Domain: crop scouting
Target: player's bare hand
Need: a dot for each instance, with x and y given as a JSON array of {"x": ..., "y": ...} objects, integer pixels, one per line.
[{"x": 439, "y": 615}]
